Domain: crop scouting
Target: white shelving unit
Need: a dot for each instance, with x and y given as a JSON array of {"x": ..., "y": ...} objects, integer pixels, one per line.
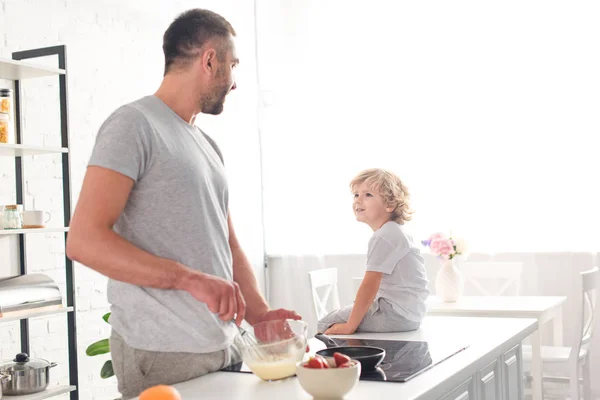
[
  {"x": 35, "y": 313},
  {"x": 17, "y": 70},
  {"x": 19, "y": 150},
  {"x": 32, "y": 230},
  {"x": 46, "y": 394}
]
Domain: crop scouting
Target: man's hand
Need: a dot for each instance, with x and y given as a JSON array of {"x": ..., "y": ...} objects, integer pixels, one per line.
[
  {"x": 283, "y": 331},
  {"x": 221, "y": 296},
  {"x": 278, "y": 314},
  {"x": 340, "y": 329}
]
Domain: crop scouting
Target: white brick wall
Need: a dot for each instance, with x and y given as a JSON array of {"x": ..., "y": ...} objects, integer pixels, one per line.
[{"x": 114, "y": 56}]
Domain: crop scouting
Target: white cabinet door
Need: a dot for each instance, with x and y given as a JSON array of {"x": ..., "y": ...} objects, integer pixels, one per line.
[
  {"x": 512, "y": 374},
  {"x": 464, "y": 391},
  {"x": 488, "y": 382}
]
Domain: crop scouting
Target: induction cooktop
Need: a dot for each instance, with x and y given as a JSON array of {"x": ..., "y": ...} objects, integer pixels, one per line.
[{"x": 403, "y": 359}]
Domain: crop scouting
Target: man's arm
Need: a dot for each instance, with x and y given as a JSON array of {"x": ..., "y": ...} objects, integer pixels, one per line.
[
  {"x": 243, "y": 274},
  {"x": 92, "y": 242}
]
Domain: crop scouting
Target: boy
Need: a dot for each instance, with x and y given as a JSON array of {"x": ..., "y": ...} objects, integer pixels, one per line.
[{"x": 392, "y": 295}]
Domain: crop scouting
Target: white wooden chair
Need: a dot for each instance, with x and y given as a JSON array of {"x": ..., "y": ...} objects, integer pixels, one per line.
[
  {"x": 492, "y": 278},
  {"x": 325, "y": 280},
  {"x": 574, "y": 360}
]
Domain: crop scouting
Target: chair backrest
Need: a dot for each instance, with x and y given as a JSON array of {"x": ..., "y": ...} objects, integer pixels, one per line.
[
  {"x": 586, "y": 316},
  {"x": 493, "y": 278},
  {"x": 326, "y": 281}
]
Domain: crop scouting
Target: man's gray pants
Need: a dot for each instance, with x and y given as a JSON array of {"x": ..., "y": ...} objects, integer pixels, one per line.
[{"x": 137, "y": 370}]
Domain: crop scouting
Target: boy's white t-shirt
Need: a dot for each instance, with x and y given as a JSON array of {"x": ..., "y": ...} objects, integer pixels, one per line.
[{"x": 404, "y": 282}]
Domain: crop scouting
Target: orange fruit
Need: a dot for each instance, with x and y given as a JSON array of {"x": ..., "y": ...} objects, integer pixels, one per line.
[{"x": 160, "y": 392}]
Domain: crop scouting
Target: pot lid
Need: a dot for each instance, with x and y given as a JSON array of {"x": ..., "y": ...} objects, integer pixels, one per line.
[{"x": 22, "y": 362}]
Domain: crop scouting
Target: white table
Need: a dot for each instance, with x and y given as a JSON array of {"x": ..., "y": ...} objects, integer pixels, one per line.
[
  {"x": 542, "y": 308},
  {"x": 490, "y": 339}
]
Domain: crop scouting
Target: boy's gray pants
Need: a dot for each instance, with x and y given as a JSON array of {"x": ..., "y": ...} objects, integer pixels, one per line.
[{"x": 380, "y": 317}]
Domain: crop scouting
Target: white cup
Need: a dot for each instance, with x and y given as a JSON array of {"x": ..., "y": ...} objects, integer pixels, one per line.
[{"x": 34, "y": 219}]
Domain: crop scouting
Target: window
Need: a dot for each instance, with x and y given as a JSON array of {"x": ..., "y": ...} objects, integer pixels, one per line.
[{"x": 487, "y": 111}]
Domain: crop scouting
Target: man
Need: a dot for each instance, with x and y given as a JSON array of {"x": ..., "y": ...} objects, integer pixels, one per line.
[{"x": 153, "y": 217}]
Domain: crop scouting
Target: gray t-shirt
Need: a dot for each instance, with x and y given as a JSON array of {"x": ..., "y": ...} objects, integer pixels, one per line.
[
  {"x": 177, "y": 210},
  {"x": 404, "y": 282}
]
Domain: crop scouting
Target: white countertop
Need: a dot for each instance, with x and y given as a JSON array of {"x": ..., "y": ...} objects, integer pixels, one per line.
[
  {"x": 487, "y": 337},
  {"x": 495, "y": 306}
]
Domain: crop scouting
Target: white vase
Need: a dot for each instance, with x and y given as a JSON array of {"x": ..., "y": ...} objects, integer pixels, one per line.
[{"x": 449, "y": 282}]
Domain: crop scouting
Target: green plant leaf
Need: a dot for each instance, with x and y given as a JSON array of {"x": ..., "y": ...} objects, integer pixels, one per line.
[
  {"x": 105, "y": 317},
  {"x": 97, "y": 348},
  {"x": 107, "y": 370}
]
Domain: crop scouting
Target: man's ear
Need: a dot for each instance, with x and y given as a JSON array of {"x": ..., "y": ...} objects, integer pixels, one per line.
[{"x": 209, "y": 59}]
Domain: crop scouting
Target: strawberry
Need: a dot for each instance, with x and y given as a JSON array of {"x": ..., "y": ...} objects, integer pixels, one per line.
[
  {"x": 317, "y": 363},
  {"x": 340, "y": 359},
  {"x": 323, "y": 360}
]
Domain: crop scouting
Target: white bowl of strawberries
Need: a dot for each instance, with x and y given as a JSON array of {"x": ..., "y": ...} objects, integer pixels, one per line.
[{"x": 328, "y": 377}]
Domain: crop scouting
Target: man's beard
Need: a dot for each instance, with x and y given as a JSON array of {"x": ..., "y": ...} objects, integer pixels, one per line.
[{"x": 214, "y": 104}]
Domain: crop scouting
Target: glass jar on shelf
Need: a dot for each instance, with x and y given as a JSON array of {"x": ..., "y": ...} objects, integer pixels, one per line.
[
  {"x": 5, "y": 114},
  {"x": 4, "y": 124},
  {"x": 6, "y": 100},
  {"x": 12, "y": 217}
]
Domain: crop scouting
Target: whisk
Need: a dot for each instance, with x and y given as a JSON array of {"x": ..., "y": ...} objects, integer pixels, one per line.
[{"x": 251, "y": 344}]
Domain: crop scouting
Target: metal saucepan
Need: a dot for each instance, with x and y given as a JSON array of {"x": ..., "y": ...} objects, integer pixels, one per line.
[
  {"x": 370, "y": 357},
  {"x": 3, "y": 378},
  {"x": 27, "y": 375}
]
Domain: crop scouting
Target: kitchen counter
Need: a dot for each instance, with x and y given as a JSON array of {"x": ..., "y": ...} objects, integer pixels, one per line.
[{"x": 489, "y": 368}]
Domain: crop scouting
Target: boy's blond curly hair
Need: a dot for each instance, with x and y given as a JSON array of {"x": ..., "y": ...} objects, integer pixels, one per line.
[{"x": 390, "y": 187}]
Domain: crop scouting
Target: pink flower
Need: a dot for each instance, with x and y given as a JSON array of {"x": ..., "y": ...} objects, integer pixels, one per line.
[
  {"x": 436, "y": 236},
  {"x": 442, "y": 247}
]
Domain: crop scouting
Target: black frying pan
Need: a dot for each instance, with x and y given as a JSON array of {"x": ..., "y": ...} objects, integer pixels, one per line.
[{"x": 369, "y": 357}]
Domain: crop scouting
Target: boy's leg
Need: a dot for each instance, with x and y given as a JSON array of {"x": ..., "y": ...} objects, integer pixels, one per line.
[
  {"x": 335, "y": 317},
  {"x": 385, "y": 319}
]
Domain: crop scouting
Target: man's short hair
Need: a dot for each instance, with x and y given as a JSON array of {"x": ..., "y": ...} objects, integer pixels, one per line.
[{"x": 189, "y": 32}]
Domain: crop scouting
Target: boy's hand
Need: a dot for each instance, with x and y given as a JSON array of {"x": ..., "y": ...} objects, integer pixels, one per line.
[{"x": 340, "y": 329}]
